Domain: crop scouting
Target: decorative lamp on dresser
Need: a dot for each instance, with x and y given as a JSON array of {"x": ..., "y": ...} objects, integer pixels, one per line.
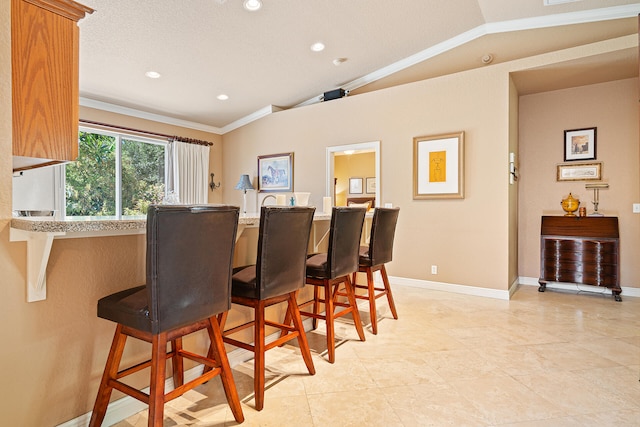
[{"x": 581, "y": 250}]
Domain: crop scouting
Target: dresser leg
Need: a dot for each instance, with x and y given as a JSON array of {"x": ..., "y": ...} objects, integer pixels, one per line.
[
  {"x": 616, "y": 295},
  {"x": 543, "y": 286}
]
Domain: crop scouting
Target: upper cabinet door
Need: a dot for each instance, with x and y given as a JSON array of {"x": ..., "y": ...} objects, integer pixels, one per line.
[{"x": 44, "y": 58}]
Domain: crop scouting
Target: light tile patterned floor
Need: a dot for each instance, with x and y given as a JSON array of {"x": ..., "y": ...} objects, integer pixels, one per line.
[{"x": 542, "y": 359}]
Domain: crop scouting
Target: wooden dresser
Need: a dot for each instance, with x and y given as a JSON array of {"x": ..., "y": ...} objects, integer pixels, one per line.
[{"x": 582, "y": 250}]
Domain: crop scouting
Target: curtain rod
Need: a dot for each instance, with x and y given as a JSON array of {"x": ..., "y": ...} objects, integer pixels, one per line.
[{"x": 145, "y": 132}]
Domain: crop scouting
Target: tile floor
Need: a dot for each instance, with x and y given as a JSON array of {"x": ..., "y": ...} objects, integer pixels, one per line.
[{"x": 542, "y": 359}]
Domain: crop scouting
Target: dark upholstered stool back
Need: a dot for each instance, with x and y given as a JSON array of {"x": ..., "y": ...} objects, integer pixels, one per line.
[
  {"x": 276, "y": 277},
  {"x": 344, "y": 244},
  {"x": 282, "y": 253},
  {"x": 383, "y": 229},
  {"x": 374, "y": 257},
  {"x": 328, "y": 271},
  {"x": 189, "y": 261}
]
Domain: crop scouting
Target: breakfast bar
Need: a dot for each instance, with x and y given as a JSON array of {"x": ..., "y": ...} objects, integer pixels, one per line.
[{"x": 40, "y": 232}]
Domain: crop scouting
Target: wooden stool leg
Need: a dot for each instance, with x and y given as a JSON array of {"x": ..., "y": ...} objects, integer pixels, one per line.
[
  {"x": 286, "y": 321},
  {"x": 221, "y": 320},
  {"x": 316, "y": 306},
  {"x": 177, "y": 363},
  {"x": 294, "y": 313},
  {"x": 385, "y": 281},
  {"x": 354, "y": 307},
  {"x": 158, "y": 372},
  {"x": 110, "y": 372},
  {"x": 258, "y": 349},
  {"x": 371, "y": 294},
  {"x": 220, "y": 355},
  {"x": 331, "y": 336}
]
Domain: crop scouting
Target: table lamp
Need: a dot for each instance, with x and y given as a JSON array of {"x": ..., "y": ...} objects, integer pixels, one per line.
[
  {"x": 244, "y": 184},
  {"x": 596, "y": 196}
]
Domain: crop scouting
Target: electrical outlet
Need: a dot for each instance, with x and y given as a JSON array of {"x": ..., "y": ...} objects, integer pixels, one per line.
[
  {"x": 434, "y": 269},
  {"x": 636, "y": 208}
]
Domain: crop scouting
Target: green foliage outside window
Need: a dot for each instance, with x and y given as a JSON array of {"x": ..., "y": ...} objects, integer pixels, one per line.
[
  {"x": 91, "y": 179},
  {"x": 142, "y": 176}
]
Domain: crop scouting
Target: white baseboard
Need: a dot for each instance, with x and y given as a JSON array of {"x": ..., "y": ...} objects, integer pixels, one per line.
[
  {"x": 504, "y": 294},
  {"x": 533, "y": 281},
  {"x": 451, "y": 287}
]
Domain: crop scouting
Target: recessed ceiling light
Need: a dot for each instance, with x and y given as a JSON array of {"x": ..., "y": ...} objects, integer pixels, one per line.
[
  {"x": 252, "y": 5},
  {"x": 152, "y": 74},
  {"x": 339, "y": 61},
  {"x": 317, "y": 47},
  {"x": 223, "y": 97}
]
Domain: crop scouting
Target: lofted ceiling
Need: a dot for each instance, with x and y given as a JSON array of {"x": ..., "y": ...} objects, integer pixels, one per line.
[{"x": 263, "y": 62}]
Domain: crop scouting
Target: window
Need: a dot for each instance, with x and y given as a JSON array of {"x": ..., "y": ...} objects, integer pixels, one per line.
[{"x": 115, "y": 175}]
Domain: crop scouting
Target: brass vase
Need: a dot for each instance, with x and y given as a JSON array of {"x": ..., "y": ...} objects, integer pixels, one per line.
[{"x": 570, "y": 205}]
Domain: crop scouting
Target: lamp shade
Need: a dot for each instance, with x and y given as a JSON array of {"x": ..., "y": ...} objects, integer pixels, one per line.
[{"x": 244, "y": 183}]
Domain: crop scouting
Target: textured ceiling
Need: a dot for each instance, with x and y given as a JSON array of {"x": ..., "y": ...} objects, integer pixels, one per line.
[{"x": 204, "y": 48}]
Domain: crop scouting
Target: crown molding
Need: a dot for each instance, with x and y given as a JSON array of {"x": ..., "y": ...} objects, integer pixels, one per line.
[
  {"x": 113, "y": 108},
  {"x": 582, "y": 17},
  {"x": 263, "y": 112}
]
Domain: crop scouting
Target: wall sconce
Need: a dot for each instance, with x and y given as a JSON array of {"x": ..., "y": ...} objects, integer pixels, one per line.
[
  {"x": 212, "y": 184},
  {"x": 596, "y": 196},
  {"x": 513, "y": 171}
]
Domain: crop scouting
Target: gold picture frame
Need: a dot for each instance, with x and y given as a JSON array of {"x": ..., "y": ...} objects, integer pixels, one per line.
[
  {"x": 579, "y": 172},
  {"x": 438, "y": 166}
]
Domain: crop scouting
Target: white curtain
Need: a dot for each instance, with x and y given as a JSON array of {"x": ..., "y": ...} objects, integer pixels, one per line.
[{"x": 188, "y": 172}]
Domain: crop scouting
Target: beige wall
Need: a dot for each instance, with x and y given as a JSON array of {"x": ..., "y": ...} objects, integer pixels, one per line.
[
  {"x": 513, "y": 183},
  {"x": 453, "y": 234},
  {"x": 612, "y": 108}
]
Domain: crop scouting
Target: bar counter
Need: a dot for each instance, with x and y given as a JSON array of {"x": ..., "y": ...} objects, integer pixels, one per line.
[{"x": 39, "y": 233}]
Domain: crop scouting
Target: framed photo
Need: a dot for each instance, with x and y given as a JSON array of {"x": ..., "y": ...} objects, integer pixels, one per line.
[
  {"x": 355, "y": 185},
  {"x": 371, "y": 185},
  {"x": 275, "y": 173},
  {"x": 579, "y": 172},
  {"x": 580, "y": 144},
  {"x": 438, "y": 166}
]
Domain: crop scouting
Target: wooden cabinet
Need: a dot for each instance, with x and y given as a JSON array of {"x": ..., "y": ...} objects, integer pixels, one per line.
[
  {"x": 44, "y": 62},
  {"x": 583, "y": 250}
]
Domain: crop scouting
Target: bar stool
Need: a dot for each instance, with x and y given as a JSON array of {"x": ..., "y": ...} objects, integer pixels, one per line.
[
  {"x": 188, "y": 264},
  {"x": 332, "y": 269},
  {"x": 374, "y": 257},
  {"x": 276, "y": 277}
]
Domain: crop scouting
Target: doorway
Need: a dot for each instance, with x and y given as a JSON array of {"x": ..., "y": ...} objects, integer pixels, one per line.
[{"x": 370, "y": 184}]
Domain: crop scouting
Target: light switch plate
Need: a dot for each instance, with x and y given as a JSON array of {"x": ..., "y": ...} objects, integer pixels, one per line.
[{"x": 636, "y": 208}]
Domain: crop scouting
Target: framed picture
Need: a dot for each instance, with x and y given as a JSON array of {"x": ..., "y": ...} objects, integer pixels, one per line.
[
  {"x": 355, "y": 185},
  {"x": 438, "y": 166},
  {"x": 275, "y": 173},
  {"x": 580, "y": 144},
  {"x": 579, "y": 172},
  {"x": 371, "y": 185}
]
